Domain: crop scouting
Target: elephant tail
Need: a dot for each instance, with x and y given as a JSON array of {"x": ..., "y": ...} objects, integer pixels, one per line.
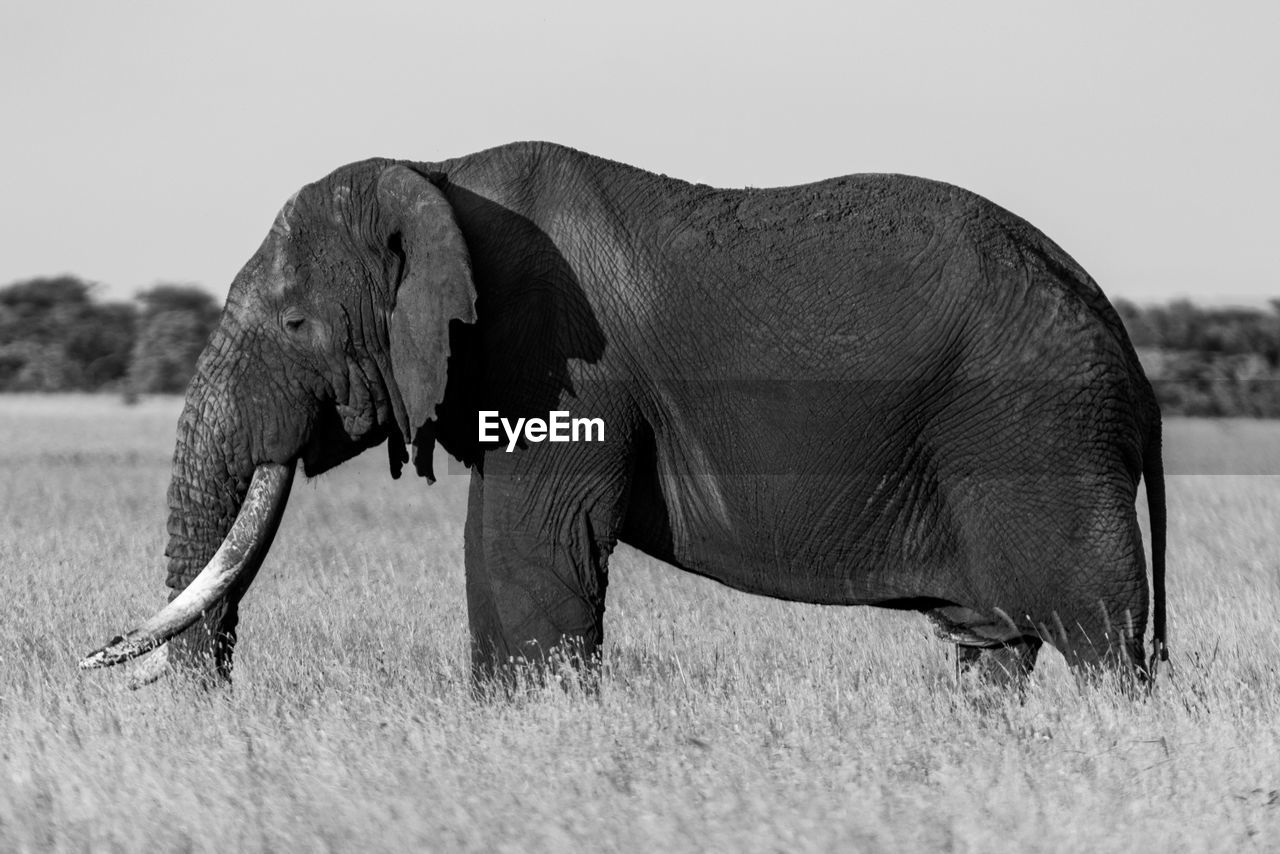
[{"x": 1153, "y": 474}]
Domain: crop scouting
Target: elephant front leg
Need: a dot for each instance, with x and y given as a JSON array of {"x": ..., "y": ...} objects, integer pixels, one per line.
[{"x": 536, "y": 575}]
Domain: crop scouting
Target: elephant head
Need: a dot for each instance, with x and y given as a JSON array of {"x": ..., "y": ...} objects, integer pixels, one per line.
[{"x": 334, "y": 338}]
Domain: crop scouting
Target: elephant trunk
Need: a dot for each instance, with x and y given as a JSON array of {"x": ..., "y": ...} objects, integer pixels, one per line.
[
  {"x": 223, "y": 514},
  {"x": 210, "y": 475}
]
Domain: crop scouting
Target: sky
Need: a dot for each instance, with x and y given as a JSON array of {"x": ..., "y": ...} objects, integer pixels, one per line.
[{"x": 148, "y": 142}]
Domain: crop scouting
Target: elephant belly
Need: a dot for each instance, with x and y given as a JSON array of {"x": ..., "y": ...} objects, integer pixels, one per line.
[
  {"x": 855, "y": 547},
  {"x": 797, "y": 537},
  {"x": 817, "y": 497}
]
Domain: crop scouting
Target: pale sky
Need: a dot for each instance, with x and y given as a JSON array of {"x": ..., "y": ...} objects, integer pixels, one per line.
[{"x": 147, "y": 142}]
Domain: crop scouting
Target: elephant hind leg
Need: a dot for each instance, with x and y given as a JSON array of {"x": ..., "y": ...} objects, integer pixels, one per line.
[
  {"x": 1008, "y": 665},
  {"x": 1107, "y": 644}
]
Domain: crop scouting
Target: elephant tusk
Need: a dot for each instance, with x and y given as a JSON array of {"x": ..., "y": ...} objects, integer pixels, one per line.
[{"x": 258, "y": 516}]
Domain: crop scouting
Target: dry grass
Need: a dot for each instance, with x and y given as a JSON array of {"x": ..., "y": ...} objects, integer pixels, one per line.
[{"x": 725, "y": 722}]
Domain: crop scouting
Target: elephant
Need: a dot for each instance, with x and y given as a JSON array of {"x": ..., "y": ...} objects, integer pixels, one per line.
[{"x": 870, "y": 390}]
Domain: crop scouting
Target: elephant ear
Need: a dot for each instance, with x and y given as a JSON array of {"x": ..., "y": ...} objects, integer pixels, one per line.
[{"x": 434, "y": 287}]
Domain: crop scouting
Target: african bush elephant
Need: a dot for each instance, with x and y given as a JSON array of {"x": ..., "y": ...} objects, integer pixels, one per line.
[{"x": 874, "y": 390}]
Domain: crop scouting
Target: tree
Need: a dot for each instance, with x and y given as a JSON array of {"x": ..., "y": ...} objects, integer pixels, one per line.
[
  {"x": 184, "y": 298},
  {"x": 101, "y": 344},
  {"x": 54, "y": 337},
  {"x": 175, "y": 325},
  {"x": 39, "y": 309}
]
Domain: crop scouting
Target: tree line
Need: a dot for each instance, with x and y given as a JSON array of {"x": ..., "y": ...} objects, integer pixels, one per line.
[
  {"x": 1209, "y": 361},
  {"x": 56, "y": 336}
]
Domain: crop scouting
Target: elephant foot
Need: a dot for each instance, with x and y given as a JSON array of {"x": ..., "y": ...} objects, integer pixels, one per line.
[
  {"x": 1008, "y": 665},
  {"x": 573, "y": 665}
]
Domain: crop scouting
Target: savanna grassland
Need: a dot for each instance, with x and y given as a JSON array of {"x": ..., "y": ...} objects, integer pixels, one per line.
[{"x": 724, "y": 722}]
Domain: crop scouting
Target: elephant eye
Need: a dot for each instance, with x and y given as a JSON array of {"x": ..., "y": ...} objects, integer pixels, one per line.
[{"x": 292, "y": 320}]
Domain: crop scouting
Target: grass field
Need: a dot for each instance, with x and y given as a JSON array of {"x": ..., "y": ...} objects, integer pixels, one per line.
[{"x": 724, "y": 723}]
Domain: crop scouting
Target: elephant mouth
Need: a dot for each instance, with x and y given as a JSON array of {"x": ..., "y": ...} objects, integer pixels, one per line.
[
  {"x": 239, "y": 556},
  {"x": 335, "y": 439}
]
